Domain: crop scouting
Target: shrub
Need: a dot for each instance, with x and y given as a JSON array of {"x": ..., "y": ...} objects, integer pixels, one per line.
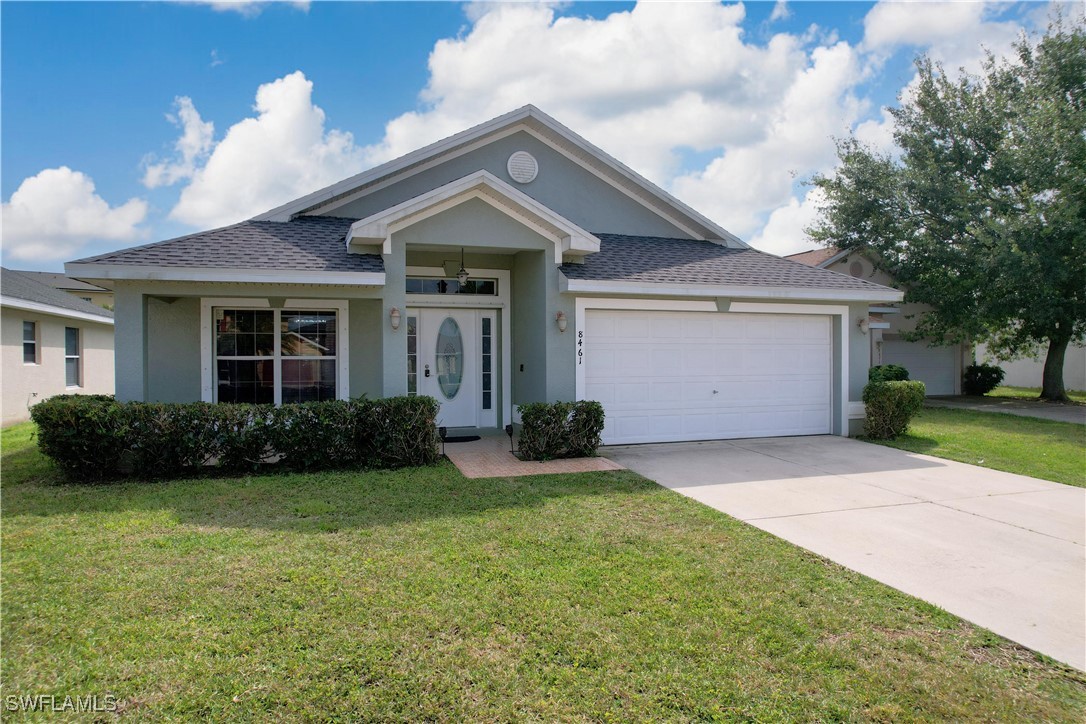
[
  {"x": 165, "y": 440},
  {"x": 96, "y": 438},
  {"x": 981, "y": 379},
  {"x": 84, "y": 434},
  {"x": 887, "y": 373},
  {"x": 560, "y": 429},
  {"x": 890, "y": 406},
  {"x": 315, "y": 435},
  {"x": 397, "y": 432}
]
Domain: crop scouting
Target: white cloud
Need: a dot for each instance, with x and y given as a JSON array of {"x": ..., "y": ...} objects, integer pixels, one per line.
[
  {"x": 747, "y": 182},
  {"x": 192, "y": 147},
  {"x": 643, "y": 83},
  {"x": 784, "y": 232},
  {"x": 282, "y": 153},
  {"x": 956, "y": 34},
  {"x": 55, "y": 213},
  {"x": 249, "y": 8},
  {"x": 780, "y": 11}
]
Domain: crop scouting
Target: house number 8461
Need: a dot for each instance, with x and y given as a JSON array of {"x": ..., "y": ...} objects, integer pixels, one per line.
[{"x": 580, "y": 347}]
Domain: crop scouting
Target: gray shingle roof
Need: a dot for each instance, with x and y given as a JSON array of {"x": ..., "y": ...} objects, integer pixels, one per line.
[
  {"x": 60, "y": 281},
  {"x": 20, "y": 286},
  {"x": 651, "y": 259},
  {"x": 308, "y": 243}
]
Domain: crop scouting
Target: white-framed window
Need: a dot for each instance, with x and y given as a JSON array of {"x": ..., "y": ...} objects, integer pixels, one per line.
[
  {"x": 72, "y": 349},
  {"x": 30, "y": 343},
  {"x": 265, "y": 355},
  {"x": 412, "y": 355}
]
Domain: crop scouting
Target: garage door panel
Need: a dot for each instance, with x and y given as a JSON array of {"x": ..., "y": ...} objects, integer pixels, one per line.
[
  {"x": 936, "y": 367},
  {"x": 665, "y": 376}
]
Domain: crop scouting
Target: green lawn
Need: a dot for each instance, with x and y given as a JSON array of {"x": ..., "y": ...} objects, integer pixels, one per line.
[
  {"x": 1034, "y": 393},
  {"x": 1039, "y": 448},
  {"x": 420, "y": 594}
]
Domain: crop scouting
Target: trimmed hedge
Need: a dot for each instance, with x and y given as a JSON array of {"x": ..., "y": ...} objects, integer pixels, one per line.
[
  {"x": 887, "y": 373},
  {"x": 560, "y": 429},
  {"x": 890, "y": 406},
  {"x": 95, "y": 438},
  {"x": 981, "y": 379}
]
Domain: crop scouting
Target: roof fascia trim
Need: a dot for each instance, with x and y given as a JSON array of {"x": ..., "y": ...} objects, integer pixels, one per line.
[
  {"x": 378, "y": 228},
  {"x": 142, "y": 272},
  {"x": 29, "y": 306},
  {"x": 647, "y": 289}
]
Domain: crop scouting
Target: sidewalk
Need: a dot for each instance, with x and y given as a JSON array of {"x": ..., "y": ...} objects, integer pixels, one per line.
[{"x": 1008, "y": 406}]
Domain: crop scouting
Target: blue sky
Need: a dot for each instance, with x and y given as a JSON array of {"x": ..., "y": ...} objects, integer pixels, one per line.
[{"x": 728, "y": 106}]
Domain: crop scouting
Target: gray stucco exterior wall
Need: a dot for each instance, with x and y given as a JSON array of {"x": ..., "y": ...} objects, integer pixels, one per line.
[{"x": 173, "y": 371}]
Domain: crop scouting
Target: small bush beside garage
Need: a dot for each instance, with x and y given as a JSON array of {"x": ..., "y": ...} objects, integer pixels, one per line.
[
  {"x": 890, "y": 406},
  {"x": 96, "y": 438},
  {"x": 560, "y": 429}
]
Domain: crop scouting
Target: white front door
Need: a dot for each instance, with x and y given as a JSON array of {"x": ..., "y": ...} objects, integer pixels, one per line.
[{"x": 455, "y": 361}]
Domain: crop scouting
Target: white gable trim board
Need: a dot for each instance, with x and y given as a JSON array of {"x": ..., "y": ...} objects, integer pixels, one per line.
[
  {"x": 671, "y": 370},
  {"x": 568, "y": 238},
  {"x": 632, "y": 185}
]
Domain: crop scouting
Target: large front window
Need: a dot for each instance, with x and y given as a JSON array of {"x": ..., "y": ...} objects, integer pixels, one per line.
[{"x": 273, "y": 355}]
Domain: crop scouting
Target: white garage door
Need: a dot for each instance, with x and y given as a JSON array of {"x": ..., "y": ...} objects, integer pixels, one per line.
[
  {"x": 934, "y": 366},
  {"x": 669, "y": 376}
]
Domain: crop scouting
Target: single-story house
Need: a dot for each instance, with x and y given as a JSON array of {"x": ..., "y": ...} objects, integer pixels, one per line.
[
  {"x": 53, "y": 343},
  {"x": 513, "y": 262},
  {"x": 938, "y": 367},
  {"x": 76, "y": 287}
]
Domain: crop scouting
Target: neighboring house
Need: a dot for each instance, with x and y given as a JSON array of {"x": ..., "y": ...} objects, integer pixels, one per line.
[
  {"x": 513, "y": 262},
  {"x": 1029, "y": 372},
  {"x": 938, "y": 367},
  {"x": 53, "y": 343},
  {"x": 99, "y": 296}
]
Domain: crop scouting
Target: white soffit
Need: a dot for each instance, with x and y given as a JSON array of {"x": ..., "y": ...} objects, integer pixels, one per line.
[{"x": 569, "y": 239}]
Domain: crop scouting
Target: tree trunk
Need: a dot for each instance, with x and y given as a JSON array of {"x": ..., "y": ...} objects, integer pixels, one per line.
[{"x": 1052, "y": 385}]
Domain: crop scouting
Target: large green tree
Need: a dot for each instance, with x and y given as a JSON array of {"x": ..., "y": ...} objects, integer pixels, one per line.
[{"x": 980, "y": 212}]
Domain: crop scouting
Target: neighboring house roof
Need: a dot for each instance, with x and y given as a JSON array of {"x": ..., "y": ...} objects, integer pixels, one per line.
[
  {"x": 309, "y": 244},
  {"x": 22, "y": 291},
  {"x": 539, "y": 124},
  {"x": 655, "y": 260},
  {"x": 818, "y": 257},
  {"x": 61, "y": 281}
]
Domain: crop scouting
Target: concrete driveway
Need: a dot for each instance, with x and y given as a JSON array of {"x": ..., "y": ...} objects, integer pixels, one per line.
[{"x": 1001, "y": 550}]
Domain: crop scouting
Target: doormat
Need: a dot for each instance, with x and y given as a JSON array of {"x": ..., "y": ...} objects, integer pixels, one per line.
[{"x": 462, "y": 438}]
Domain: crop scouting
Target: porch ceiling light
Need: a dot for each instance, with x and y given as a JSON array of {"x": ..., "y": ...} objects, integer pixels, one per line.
[{"x": 462, "y": 275}]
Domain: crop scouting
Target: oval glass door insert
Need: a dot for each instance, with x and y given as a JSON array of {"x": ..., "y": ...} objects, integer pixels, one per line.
[{"x": 450, "y": 358}]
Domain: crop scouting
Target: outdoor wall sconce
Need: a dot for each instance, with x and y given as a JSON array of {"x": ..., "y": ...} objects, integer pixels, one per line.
[
  {"x": 864, "y": 324},
  {"x": 560, "y": 318},
  {"x": 394, "y": 318}
]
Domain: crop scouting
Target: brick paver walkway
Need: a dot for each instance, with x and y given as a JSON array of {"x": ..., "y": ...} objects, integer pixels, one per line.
[{"x": 489, "y": 457}]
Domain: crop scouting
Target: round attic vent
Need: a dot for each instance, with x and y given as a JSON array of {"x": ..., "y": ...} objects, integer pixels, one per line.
[{"x": 522, "y": 167}]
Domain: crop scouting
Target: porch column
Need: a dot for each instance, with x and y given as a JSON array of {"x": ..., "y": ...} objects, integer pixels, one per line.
[
  {"x": 130, "y": 343},
  {"x": 394, "y": 342}
]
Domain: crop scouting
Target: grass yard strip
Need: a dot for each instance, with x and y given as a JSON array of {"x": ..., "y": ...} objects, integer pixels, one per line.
[
  {"x": 1044, "y": 449},
  {"x": 1034, "y": 393},
  {"x": 419, "y": 594}
]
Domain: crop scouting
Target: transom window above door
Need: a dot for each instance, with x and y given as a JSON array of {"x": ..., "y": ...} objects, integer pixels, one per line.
[{"x": 436, "y": 285}]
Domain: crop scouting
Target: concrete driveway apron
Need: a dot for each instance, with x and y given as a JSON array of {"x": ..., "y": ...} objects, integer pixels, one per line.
[{"x": 1004, "y": 551}]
